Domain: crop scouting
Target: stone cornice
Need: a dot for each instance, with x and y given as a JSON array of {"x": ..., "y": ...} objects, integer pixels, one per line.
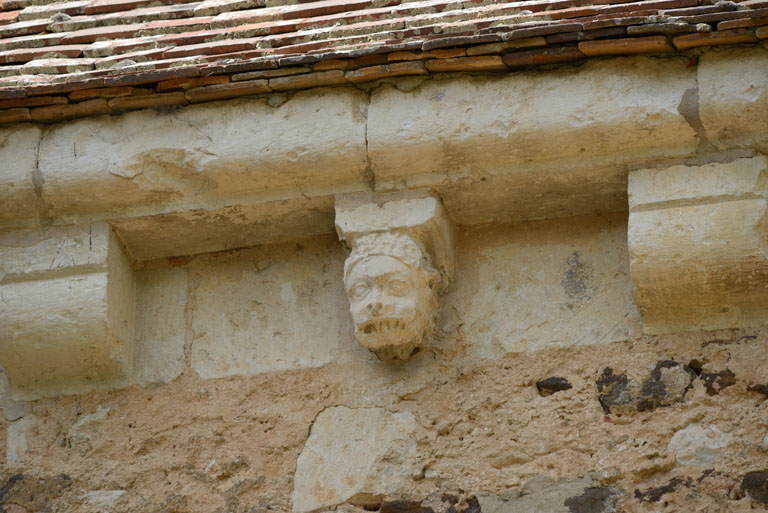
[{"x": 523, "y": 146}]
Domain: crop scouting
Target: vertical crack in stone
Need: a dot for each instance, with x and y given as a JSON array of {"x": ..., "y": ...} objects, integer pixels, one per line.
[
  {"x": 38, "y": 180},
  {"x": 368, "y": 175}
]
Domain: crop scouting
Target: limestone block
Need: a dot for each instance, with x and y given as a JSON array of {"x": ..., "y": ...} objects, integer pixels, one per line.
[
  {"x": 12, "y": 410},
  {"x": 400, "y": 265},
  {"x": 533, "y": 128},
  {"x": 354, "y": 455},
  {"x": 204, "y": 156},
  {"x": 18, "y": 178},
  {"x": 161, "y": 298},
  {"x": 106, "y": 499},
  {"x": 699, "y": 445},
  {"x": 217, "y": 229},
  {"x": 267, "y": 309},
  {"x": 697, "y": 245},
  {"x": 66, "y": 324},
  {"x": 529, "y": 286},
  {"x": 733, "y": 96},
  {"x": 17, "y": 442}
]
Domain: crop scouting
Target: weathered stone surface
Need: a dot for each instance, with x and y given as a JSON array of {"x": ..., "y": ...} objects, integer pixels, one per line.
[
  {"x": 104, "y": 498},
  {"x": 237, "y": 150},
  {"x": 699, "y": 445},
  {"x": 496, "y": 134},
  {"x": 720, "y": 96},
  {"x": 17, "y": 443},
  {"x": 580, "y": 266},
  {"x": 541, "y": 493},
  {"x": 218, "y": 229},
  {"x": 267, "y": 309},
  {"x": 12, "y": 410},
  {"x": 695, "y": 240},
  {"x": 161, "y": 298},
  {"x": 80, "y": 433},
  {"x": 53, "y": 251},
  {"x": 354, "y": 455},
  {"x": 67, "y": 323},
  {"x": 18, "y": 149},
  {"x": 691, "y": 184}
]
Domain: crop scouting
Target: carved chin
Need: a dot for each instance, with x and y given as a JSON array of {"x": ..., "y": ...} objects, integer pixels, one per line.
[{"x": 390, "y": 339}]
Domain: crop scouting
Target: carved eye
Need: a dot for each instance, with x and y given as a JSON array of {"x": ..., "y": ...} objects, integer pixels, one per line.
[
  {"x": 397, "y": 287},
  {"x": 359, "y": 290}
]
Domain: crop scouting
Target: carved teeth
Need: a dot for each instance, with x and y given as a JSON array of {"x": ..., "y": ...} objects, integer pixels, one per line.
[{"x": 383, "y": 327}]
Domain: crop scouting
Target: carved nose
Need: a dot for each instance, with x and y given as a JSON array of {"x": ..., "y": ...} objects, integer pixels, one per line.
[{"x": 375, "y": 308}]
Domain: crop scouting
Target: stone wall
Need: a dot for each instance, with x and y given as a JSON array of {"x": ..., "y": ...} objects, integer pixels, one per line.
[
  {"x": 539, "y": 392},
  {"x": 182, "y": 340}
]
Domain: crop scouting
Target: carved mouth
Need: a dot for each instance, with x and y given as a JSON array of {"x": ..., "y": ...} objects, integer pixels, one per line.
[{"x": 382, "y": 327}]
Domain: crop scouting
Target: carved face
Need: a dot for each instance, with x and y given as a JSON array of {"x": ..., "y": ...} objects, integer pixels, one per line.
[{"x": 390, "y": 305}]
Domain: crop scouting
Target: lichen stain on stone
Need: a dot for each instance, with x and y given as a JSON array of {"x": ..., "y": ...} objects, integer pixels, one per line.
[{"x": 576, "y": 281}]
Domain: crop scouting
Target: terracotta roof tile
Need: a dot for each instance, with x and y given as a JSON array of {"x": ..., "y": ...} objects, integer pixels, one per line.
[
  {"x": 110, "y": 51},
  {"x": 25, "y": 55}
]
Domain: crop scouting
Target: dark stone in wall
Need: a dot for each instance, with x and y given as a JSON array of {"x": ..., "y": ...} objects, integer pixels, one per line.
[
  {"x": 473, "y": 506},
  {"x": 35, "y": 493},
  {"x": 760, "y": 389},
  {"x": 655, "y": 494},
  {"x": 594, "y": 500},
  {"x": 668, "y": 383},
  {"x": 755, "y": 484},
  {"x": 404, "y": 507},
  {"x": 716, "y": 382},
  {"x": 552, "y": 384},
  {"x": 614, "y": 390},
  {"x": 656, "y": 392}
]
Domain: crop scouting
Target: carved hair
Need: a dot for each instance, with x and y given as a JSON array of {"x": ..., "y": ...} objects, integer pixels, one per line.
[{"x": 392, "y": 244}]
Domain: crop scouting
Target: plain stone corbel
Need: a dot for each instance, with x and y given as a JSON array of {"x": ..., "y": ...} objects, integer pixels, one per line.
[
  {"x": 66, "y": 322},
  {"x": 697, "y": 243},
  {"x": 401, "y": 262}
]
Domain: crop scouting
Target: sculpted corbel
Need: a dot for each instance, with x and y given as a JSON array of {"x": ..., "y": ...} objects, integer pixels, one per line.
[{"x": 399, "y": 266}]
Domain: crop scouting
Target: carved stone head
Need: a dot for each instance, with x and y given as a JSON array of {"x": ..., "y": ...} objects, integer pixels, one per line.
[{"x": 392, "y": 289}]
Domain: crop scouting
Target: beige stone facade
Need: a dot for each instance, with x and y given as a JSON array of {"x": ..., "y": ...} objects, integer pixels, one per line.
[{"x": 588, "y": 335}]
